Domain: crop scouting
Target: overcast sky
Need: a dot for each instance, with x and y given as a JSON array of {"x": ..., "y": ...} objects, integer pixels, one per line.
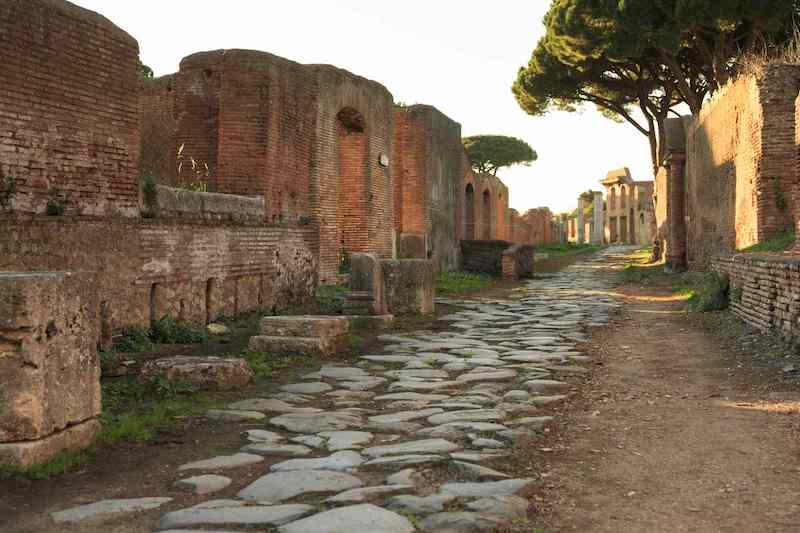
[{"x": 460, "y": 56}]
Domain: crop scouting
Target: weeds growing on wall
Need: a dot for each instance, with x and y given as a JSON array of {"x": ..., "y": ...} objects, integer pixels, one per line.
[
  {"x": 164, "y": 331},
  {"x": 780, "y": 243},
  {"x": 711, "y": 295},
  {"x": 56, "y": 203}
]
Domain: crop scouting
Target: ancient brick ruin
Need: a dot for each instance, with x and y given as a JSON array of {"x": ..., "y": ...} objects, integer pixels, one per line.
[{"x": 238, "y": 184}]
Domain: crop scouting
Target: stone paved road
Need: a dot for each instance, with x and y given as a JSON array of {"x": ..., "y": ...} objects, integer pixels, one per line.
[{"x": 349, "y": 446}]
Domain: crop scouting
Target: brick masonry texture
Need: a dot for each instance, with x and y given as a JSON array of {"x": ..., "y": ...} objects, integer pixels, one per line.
[
  {"x": 486, "y": 212},
  {"x": 741, "y": 165},
  {"x": 428, "y": 166},
  {"x": 147, "y": 269},
  {"x": 517, "y": 262},
  {"x": 765, "y": 291},
  {"x": 69, "y": 121}
]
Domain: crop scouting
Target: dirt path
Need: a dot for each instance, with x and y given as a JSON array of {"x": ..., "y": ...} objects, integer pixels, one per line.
[{"x": 675, "y": 435}]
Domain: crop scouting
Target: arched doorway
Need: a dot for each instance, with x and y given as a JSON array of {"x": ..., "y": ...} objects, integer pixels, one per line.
[
  {"x": 486, "y": 216},
  {"x": 353, "y": 174},
  {"x": 469, "y": 215}
]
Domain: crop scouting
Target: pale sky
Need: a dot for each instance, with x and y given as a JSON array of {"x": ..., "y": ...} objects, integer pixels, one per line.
[{"x": 460, "y": 56}]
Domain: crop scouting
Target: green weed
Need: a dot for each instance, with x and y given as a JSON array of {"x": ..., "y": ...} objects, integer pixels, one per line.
[
  {"x": 780, "y": 243},
  {"x": 170, "y": 331},
  {"x": 711, "y": 295},
  {"x": 457, "y": 283}
]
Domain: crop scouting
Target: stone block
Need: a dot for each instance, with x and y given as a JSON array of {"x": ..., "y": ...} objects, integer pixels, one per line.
[
  {"x": 366, "y": 282},
  {"x": 409, "y": 286},
  {"x": 518, "y": 262},
  {"x": 49, "y": 366},
  {"x": 208, "y": 372},
  {"x": 316, "y": 346},
  {"x": 304, "y": 326},
  {"x": 26, "y": 454}
]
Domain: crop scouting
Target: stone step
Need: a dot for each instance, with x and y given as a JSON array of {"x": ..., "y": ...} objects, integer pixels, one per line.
[
  {"x": 314, "y": 346},
  {"x": 304, "y": 326}
]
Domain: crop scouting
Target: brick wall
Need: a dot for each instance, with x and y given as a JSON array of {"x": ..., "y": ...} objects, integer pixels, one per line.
[
  {"x": 158, "y": 153},
  {"x": 149, "y": 268},
  {"x": 741, "y": 165},
  {"x": 483, "y": 256},
  {"x": 427, "y": 169},
  {"x": 765, "y": 291},
  {"x": 69, "y": 123}
]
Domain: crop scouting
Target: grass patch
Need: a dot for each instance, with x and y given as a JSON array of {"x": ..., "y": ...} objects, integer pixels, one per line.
[
  {"x": 134, "y": 410},
  {"x": 170, "y": 331},
  {"x": 330, "y": 299},
  {"x": 565, "y": 249},
  {"x": 265, "y": 365},
  {"x": 711, "y": 295},
  {"x": 458, "y": 283},
  {"x": 781, "y": 243}
]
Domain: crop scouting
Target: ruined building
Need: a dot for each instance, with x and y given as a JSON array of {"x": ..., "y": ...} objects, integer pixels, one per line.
[{"x": 237, "y": 184}]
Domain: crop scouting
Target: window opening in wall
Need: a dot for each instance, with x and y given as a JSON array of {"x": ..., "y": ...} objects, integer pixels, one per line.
[
  {"x": 210, "y": 293},
  {"x": 469, "y": 204}
]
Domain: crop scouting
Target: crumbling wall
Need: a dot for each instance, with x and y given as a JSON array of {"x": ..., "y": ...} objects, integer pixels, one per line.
[
  {"x": 150, "y": 268},
  {"x": 428, "y": 165},
  {"x": 765, "y": 290},
  {"x": 69, "y": 121},
  {"x": 517, "y": 262},
  {"x": 741, "y": 165}
]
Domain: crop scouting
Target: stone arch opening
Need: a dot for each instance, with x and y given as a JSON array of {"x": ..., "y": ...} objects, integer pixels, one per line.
[
  {"x": 469, "y": 216},
  {"x": 486, "y": 216},
  {"x": 353, "y": 206},
  {"x": 612, "y": 198},
  {"x": 623, "y": 197}
]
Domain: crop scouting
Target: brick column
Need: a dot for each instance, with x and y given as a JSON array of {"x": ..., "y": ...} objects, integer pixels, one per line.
[
  {"x": 675, "y": 252},
  {"x": 581, "y": 222}
]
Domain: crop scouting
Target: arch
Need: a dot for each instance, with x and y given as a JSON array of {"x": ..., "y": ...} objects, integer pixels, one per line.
[
  {"x": 469, "y": 215},
  {"x": 353, "y": 166},
  {"x": 486, "y": 215},
  {"x": 612, "y": 198},
  {"x": 623, "y": 197}
]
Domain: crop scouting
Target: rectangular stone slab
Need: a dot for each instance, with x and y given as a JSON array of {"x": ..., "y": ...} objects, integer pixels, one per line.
[{"x": 304, "y": 326}]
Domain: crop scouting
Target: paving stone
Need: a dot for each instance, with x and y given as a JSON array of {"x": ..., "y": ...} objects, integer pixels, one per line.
[
  {"x": 293, "y": 398},
  {"x": 545, "y": 385},
  {"x": 412, "y": 386},
  {"x": 104, "y": 508},
  {"x": 500, "y": 375},
  {"x": 424, "y": 373},
  {"x": 317, "y": 422},
  {"x": 363, "y": 518},
  {"x": 342, "y": 372},
  {"x": 345, "y": 440},
  {"x": 429, "y": 446},
  {"x": 270, "y": 406},
  {"x": 405, "y": 460},
  {"x": 411, "y": 396},
  {"x": 479, "y": 472},
  {"x": 276, "y": 449},
  {"x": 309, "y": 440},
  {"x": 548, "y": 400},
  {"x": 532, "y": 422},
  {"x": 204, "y": 484},
  {"x": 339, "y": 461},
  {"x": 510, "y": 507},
  {"x": 280, "y": 486},
  {"x": 363, "y": 384},
  {"x": 404, "y": 416},
  {"x": 460, "y": 522},
  {"x": 235, "y": 416},
  {"x": 481, "y": 442},
  {"x": 517, "y": 396},
  {"x": 350, "y": 395},
  {"x": 233, "y": 512},
  {"x": 458, "y": 429},
  {"x": 223, "y": 462},
  {"x": 261, "y": 435},
  {"x": 420, "y": 505},
  {"x": 307, "y": 388},
  {"x": 483, "y": 490},
  {"x": 407, "y": 476},
  {"x": 469, "y": 415},
  {"x": 389, "y": 358},
  {"x": 362, "y": 495},
  {"x": 476, "y": 457}
]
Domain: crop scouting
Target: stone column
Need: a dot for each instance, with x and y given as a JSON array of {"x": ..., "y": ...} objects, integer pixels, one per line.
[
  {"x": 581, "y": 222},
  {"x": 599, "y": 219}
]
